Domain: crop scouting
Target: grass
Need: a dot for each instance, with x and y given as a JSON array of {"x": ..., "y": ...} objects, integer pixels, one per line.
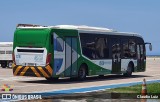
[{"x": 151, "y": 88}]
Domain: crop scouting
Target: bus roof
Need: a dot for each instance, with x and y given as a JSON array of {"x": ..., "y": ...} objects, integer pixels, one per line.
[
  {"x": 84, "y": 28},
  {"x": 81, "y": 28}
]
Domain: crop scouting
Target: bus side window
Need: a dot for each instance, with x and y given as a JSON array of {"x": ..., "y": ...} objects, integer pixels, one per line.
[
  {"x": 8, "y": 52},
  {"x": 2, "y": 52},
  {"x": 101, "y": 47},
  {"x": 106, "y": 49},
  {"x": 88, "y": 45},
  {"x": 125, "y": 49},
  {"x": 94, "y": 47},
  {"x": 132, "y": 48},
  {"x": 138, "y": 52},
  {"x": 142, "y": 51},
  {"x": 89, "y": 48}
]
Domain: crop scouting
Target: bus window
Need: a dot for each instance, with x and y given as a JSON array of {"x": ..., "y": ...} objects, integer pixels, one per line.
[
  {"x": 8, "y": 52},
  {"x": 106, "y": 49},
  {"x": 101, "y": 48},
  {"x": 132, "y": 48},
  {"x": 2, "y": 52},
  {"x": 88, "y": 47},
  {"x": 116, "y": 50},
  {"x": 138, "y": 52},
  {"x": 95, "y": 47},
  {"x": 125, "y": 49},
  {"x": 142, "y": 51}
]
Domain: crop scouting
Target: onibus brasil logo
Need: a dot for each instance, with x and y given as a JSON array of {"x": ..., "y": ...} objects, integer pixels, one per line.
[{"x": 6, "y": 87}]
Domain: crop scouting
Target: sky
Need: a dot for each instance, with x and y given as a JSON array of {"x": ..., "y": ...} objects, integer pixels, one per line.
[{"x": 139, "y": 16}]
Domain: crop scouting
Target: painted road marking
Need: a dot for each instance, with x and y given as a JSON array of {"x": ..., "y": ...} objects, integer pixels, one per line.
[{"x": 92, "y": 88}]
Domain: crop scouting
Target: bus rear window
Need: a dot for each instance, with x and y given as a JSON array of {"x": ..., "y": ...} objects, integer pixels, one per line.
[{"x": 30, "y": 50}]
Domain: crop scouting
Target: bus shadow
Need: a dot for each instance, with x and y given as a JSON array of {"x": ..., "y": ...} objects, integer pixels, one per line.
[{"x": 88, "y": 79}]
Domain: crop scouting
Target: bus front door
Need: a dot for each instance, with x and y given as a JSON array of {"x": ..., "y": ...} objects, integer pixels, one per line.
[
  {"x": 140, "y": 59},
  {"x": 71, "y": 56},
  {"x": 116, "y": 56}
]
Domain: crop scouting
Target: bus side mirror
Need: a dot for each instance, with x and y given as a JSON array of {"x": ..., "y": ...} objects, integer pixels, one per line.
[{"x": 150, "y": 47}]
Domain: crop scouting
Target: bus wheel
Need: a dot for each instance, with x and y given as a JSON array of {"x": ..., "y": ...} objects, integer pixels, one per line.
[
  {"x": 52, "y": 79},
  {"x": 4, "y": 64},
  {"x": 129, "y": 71},
  {"x": 82, "y": 72},
  {"x": 10, "y": 64}
]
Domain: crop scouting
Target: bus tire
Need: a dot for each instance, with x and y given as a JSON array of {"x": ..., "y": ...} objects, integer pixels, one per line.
[
  {"x": 82, "y": 72},
  {"x": 4, "y": 64},
  {"x": 52, "y": 79},
  {"x": 9, "y": 64},
  {"x": 129, "y": 71}
]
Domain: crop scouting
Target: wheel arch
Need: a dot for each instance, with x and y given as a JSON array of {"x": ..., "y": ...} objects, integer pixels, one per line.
[{"x": 86, "y": 67}]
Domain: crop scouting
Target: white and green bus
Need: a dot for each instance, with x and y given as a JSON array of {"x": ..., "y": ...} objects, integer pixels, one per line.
[{"x": 76, "y": 51}]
